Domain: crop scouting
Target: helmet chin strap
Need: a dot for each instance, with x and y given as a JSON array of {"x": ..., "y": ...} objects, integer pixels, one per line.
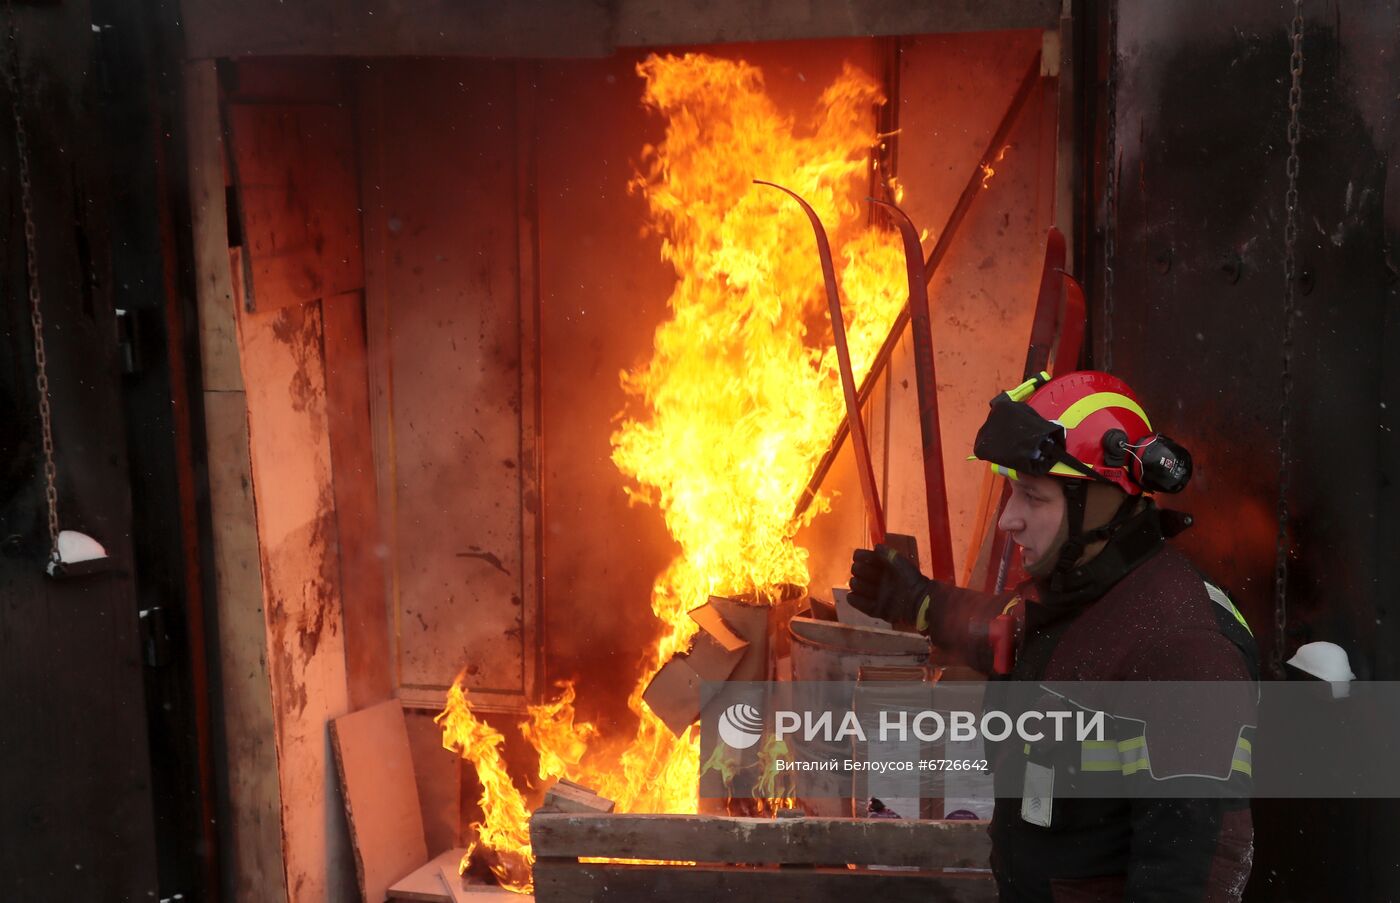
[{"x": 1078, "y": 539}]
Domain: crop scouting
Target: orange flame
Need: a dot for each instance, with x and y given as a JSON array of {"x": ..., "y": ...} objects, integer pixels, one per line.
[{"x": 742, "y": 393}]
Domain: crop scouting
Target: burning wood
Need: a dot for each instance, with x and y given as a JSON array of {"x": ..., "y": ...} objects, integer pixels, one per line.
[{"x": 566, "y": 796}]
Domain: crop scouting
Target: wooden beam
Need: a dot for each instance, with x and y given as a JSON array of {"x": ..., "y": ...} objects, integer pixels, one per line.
[
  {"x": 701, "y": 838},
  {"x": 658, "y": 22},
  {"x": 237, "y": 28},
  {"x": 568, "y": 28},
  {"x": 564, "y": 882},
  {"x": 368, "y": 663}
]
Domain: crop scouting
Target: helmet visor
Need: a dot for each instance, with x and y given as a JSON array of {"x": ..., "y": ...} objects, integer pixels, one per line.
[{"x": 1016, "y": 437}]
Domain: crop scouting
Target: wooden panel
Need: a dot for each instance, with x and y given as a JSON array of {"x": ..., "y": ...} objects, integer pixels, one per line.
[
  {"x": 557, "y": 882},
  {"x": 438, "y": 772},
  {"x": 367, "y": 658},
  {"x": 448, "y": 356},
  {"x": 290, "y": 451},
  {"x": 603, "y": 291},
  {"x": 559, "y": 28},
  {"x": 381, "y": 797},
  {"x": 701, "y": 838},
  {"x": 294, "y": 168}
]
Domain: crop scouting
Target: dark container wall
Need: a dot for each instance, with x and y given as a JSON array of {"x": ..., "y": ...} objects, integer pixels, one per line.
[
  {"x": 1196, "y": 324},
  {"x": 81, "y": 812}
]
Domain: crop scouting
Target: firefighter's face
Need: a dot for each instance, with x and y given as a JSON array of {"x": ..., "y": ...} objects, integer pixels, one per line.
[{"x": 1034, "y": 517}]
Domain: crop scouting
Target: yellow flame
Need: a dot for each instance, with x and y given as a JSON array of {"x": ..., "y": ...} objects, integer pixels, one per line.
[
  {"x": 551, "y": 730},
  {"x": 742, "y": 393},
  {"x": 775, "y": 785},
  {"x": 988, "y": 171},
  {"x": 505, "y": 830}
]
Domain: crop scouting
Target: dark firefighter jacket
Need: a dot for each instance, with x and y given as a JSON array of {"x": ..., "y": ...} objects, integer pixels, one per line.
[{"x": 1139, "y": 612}]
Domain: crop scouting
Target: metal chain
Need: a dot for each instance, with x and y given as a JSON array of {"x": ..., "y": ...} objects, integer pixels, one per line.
[
  {"x": 1290, "y": 273},
  {"x": 1110, "y": 185},
  {"x": 36, "y": 316}
]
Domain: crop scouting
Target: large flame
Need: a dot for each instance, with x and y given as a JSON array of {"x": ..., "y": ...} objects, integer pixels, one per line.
[{"x": 742, "y": 394}]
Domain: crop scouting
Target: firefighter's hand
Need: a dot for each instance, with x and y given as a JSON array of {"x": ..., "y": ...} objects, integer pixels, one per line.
[{"x": 885, "y": 585}]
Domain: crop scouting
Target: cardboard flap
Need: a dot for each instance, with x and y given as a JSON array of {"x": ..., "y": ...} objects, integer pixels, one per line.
[{"x": 713, "y": 624}]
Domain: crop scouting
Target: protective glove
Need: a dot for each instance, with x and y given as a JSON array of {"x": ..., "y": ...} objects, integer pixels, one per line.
[{"x": 885, "y": 585}]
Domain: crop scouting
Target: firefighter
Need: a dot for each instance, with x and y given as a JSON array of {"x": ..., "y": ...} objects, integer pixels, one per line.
[{"x": 1107, "y": 600}]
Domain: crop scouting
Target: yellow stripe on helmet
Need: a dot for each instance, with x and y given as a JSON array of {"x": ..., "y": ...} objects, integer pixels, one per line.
[
  {"x": 1008, "y": 472},
  {"x": 1027, "y": 389},
  {"x": 1075, "y": 413}
]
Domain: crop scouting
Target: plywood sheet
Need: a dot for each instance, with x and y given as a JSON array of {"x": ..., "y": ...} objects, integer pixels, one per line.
[
  {"x": 381, "y": 797},
  {"x": 283, "y": 368}
]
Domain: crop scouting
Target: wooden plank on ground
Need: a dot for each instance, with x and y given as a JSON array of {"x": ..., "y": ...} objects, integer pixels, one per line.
[
  {"x": 426, "y": 884},
  {"x": 381, "y": 799},
  {"x": 437, "y": 882},
  {"x": 702, "y": 838},
  {"x": 566, "y": 882}
]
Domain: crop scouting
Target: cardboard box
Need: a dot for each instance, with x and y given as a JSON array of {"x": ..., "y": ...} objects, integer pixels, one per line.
[{"x": 676, "y": 694}]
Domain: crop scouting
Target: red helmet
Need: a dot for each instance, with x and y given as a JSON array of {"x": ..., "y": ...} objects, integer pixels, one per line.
[{"x": 1105, "y": 432}]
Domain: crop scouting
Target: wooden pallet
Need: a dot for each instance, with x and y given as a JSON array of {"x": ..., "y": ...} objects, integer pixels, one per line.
[{"x": 808, "y": 859}]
